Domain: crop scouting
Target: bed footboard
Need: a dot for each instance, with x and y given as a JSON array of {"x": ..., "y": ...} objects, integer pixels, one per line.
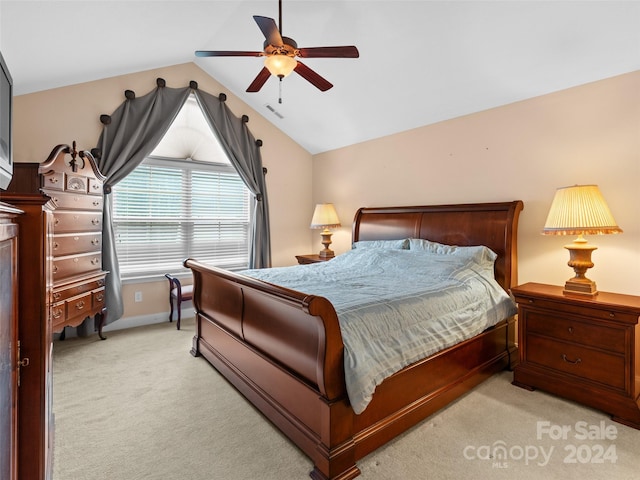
[
  {"x": 298, "y": 331},
  {"x": 283, "y": 350}
]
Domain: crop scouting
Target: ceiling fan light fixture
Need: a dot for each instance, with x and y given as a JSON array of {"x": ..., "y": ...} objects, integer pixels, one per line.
[{"x": 280, "y": 65}]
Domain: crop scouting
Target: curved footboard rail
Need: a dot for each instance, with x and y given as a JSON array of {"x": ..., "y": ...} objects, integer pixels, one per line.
[{"x": 300, "y": 332}]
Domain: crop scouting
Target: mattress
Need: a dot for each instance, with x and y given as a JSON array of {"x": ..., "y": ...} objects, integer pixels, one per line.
[{"x": 398, "y": 305}]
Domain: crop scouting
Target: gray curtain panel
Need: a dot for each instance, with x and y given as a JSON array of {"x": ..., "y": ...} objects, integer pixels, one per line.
[
  {"x": 244, "y": 152},
  {"x": 132, "y": 132}
]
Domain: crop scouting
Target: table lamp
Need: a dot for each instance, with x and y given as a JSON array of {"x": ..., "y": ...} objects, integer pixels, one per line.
[
  {"x": 325, "y": 217},
  {"x": 580, "y": 210}
]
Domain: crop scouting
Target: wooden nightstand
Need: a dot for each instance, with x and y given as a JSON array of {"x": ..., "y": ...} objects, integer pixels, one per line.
[
  {"x": 584, "y": 349},
  {"x": 311, "y": 258}
]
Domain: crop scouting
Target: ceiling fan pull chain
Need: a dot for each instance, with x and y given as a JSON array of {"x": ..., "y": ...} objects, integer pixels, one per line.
[{"x": 280, "y": 90}]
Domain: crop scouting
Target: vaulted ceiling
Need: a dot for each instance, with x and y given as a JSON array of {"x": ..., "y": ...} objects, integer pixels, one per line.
[{"x": 421, "y": 62}]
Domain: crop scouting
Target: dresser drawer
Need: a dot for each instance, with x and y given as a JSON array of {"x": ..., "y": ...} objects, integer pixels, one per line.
[
  {"x": 53, "y": 180},
  {"x": 577, "y": 360},
  {"x": 97, "y": 299},
  {"x": 58, "y": 315},
  {"x": 567, "y": 328},
  {"x": 78, "y": 307},
  {"x": 68, "y": 222},
  {"x": 95, "y": 187},
  {"x": 69, "y": 244},
  {"x": 74, "y": 201},
  {"x": 75, "y": 289},
  {"x": 64, "y": 267}
]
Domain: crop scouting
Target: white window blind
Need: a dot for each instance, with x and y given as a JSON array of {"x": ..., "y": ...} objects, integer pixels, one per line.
[{"x": 167, "y": 210}]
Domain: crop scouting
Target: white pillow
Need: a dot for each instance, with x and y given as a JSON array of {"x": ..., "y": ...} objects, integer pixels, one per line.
[
  {"x": 479, "y": 253},
  {"x": 392, "y": 244}
]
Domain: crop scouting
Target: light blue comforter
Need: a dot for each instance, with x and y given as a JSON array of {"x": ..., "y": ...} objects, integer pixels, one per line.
[{"x": 398, "y": 306}]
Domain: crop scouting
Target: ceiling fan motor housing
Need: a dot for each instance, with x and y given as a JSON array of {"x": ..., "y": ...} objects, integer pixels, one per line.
[{"x": 288, "y": 47}]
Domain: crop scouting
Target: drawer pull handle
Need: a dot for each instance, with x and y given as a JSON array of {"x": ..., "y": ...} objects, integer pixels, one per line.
[
  {"x": 95, "y": 221},
  {"x": 95, "y": 241},
  {"x": 570, "y": 329},
  {"x": 57, "y": 295},
  {"x": 95, "y": 261},
  {"x": 53, "y": 180},
  {"x": 57, "y": 313},
  {"x": 612, "y": 315},
  {"x": 572, "y": 362},
  {"x": 80, "y": 305},
  {"x": 99, "y": 298}
]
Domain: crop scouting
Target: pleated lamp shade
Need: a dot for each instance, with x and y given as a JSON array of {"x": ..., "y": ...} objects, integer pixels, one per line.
[{"x": 580, "y": 210}]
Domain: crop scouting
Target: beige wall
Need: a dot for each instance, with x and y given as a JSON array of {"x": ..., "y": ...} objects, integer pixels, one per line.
[
  {"x": 587, "y": 134},
  {"x": 45, "y": 119}
]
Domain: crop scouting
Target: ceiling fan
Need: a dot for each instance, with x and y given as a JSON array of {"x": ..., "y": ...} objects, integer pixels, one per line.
[{"x": 281, "y": 53}]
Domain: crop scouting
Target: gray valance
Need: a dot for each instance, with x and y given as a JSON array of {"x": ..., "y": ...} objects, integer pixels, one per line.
[{"x": 132, "y": 132}]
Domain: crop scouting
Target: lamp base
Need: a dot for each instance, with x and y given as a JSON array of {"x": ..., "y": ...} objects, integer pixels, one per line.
[
  {"x": 580, "y": 286},
  {"x": 326, "y": 253},
  {"x": 326, "y": 241},
  {"x": 580, "y": 261}
]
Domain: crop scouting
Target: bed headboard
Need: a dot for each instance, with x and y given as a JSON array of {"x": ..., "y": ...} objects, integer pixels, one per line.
[{"x": 494, "y": 225}]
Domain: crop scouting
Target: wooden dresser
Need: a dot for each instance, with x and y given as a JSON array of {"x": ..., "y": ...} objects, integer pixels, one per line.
[
  {"x": 582, "y": 348},
  {"x": 72, "y": 182}
]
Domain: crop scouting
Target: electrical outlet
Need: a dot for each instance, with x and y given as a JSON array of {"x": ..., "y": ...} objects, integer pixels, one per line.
[{"x": 138, "y": 296}]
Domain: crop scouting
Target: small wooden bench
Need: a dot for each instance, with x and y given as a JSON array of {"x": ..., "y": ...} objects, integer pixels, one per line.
[{"x": 178, "y": 293}]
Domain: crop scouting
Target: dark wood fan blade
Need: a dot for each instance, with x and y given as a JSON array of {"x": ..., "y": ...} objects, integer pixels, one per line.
[
  {"x": 269, "y": 30},
  {"x": 329, "y": 52},
  {"x": 259, "y": 81},
  {"x": 227, "y": 53},
  {"x": 308, "y": 74}
]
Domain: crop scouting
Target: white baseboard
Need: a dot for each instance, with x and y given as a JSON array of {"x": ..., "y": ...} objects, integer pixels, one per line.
[{"x": 140, "y": 320}]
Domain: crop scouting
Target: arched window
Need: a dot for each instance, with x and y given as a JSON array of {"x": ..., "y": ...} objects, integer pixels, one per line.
[{"x": 184, "y": 200}]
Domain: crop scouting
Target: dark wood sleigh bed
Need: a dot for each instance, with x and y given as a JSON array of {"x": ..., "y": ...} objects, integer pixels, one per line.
[{"x": 283, "y": 350}]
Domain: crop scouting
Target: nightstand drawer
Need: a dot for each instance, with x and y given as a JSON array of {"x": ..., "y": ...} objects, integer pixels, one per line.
[
  {"x": 583, "y": 362},
  {"x": 566, "y": 328},
  {"x": 588, "y": 308}
]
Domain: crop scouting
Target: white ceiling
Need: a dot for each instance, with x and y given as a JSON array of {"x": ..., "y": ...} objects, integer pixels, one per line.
[{"x": 420, "y": 62}]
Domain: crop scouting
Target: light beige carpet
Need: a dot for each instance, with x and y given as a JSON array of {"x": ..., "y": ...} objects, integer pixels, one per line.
[{"x": 139, "y": 406}]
